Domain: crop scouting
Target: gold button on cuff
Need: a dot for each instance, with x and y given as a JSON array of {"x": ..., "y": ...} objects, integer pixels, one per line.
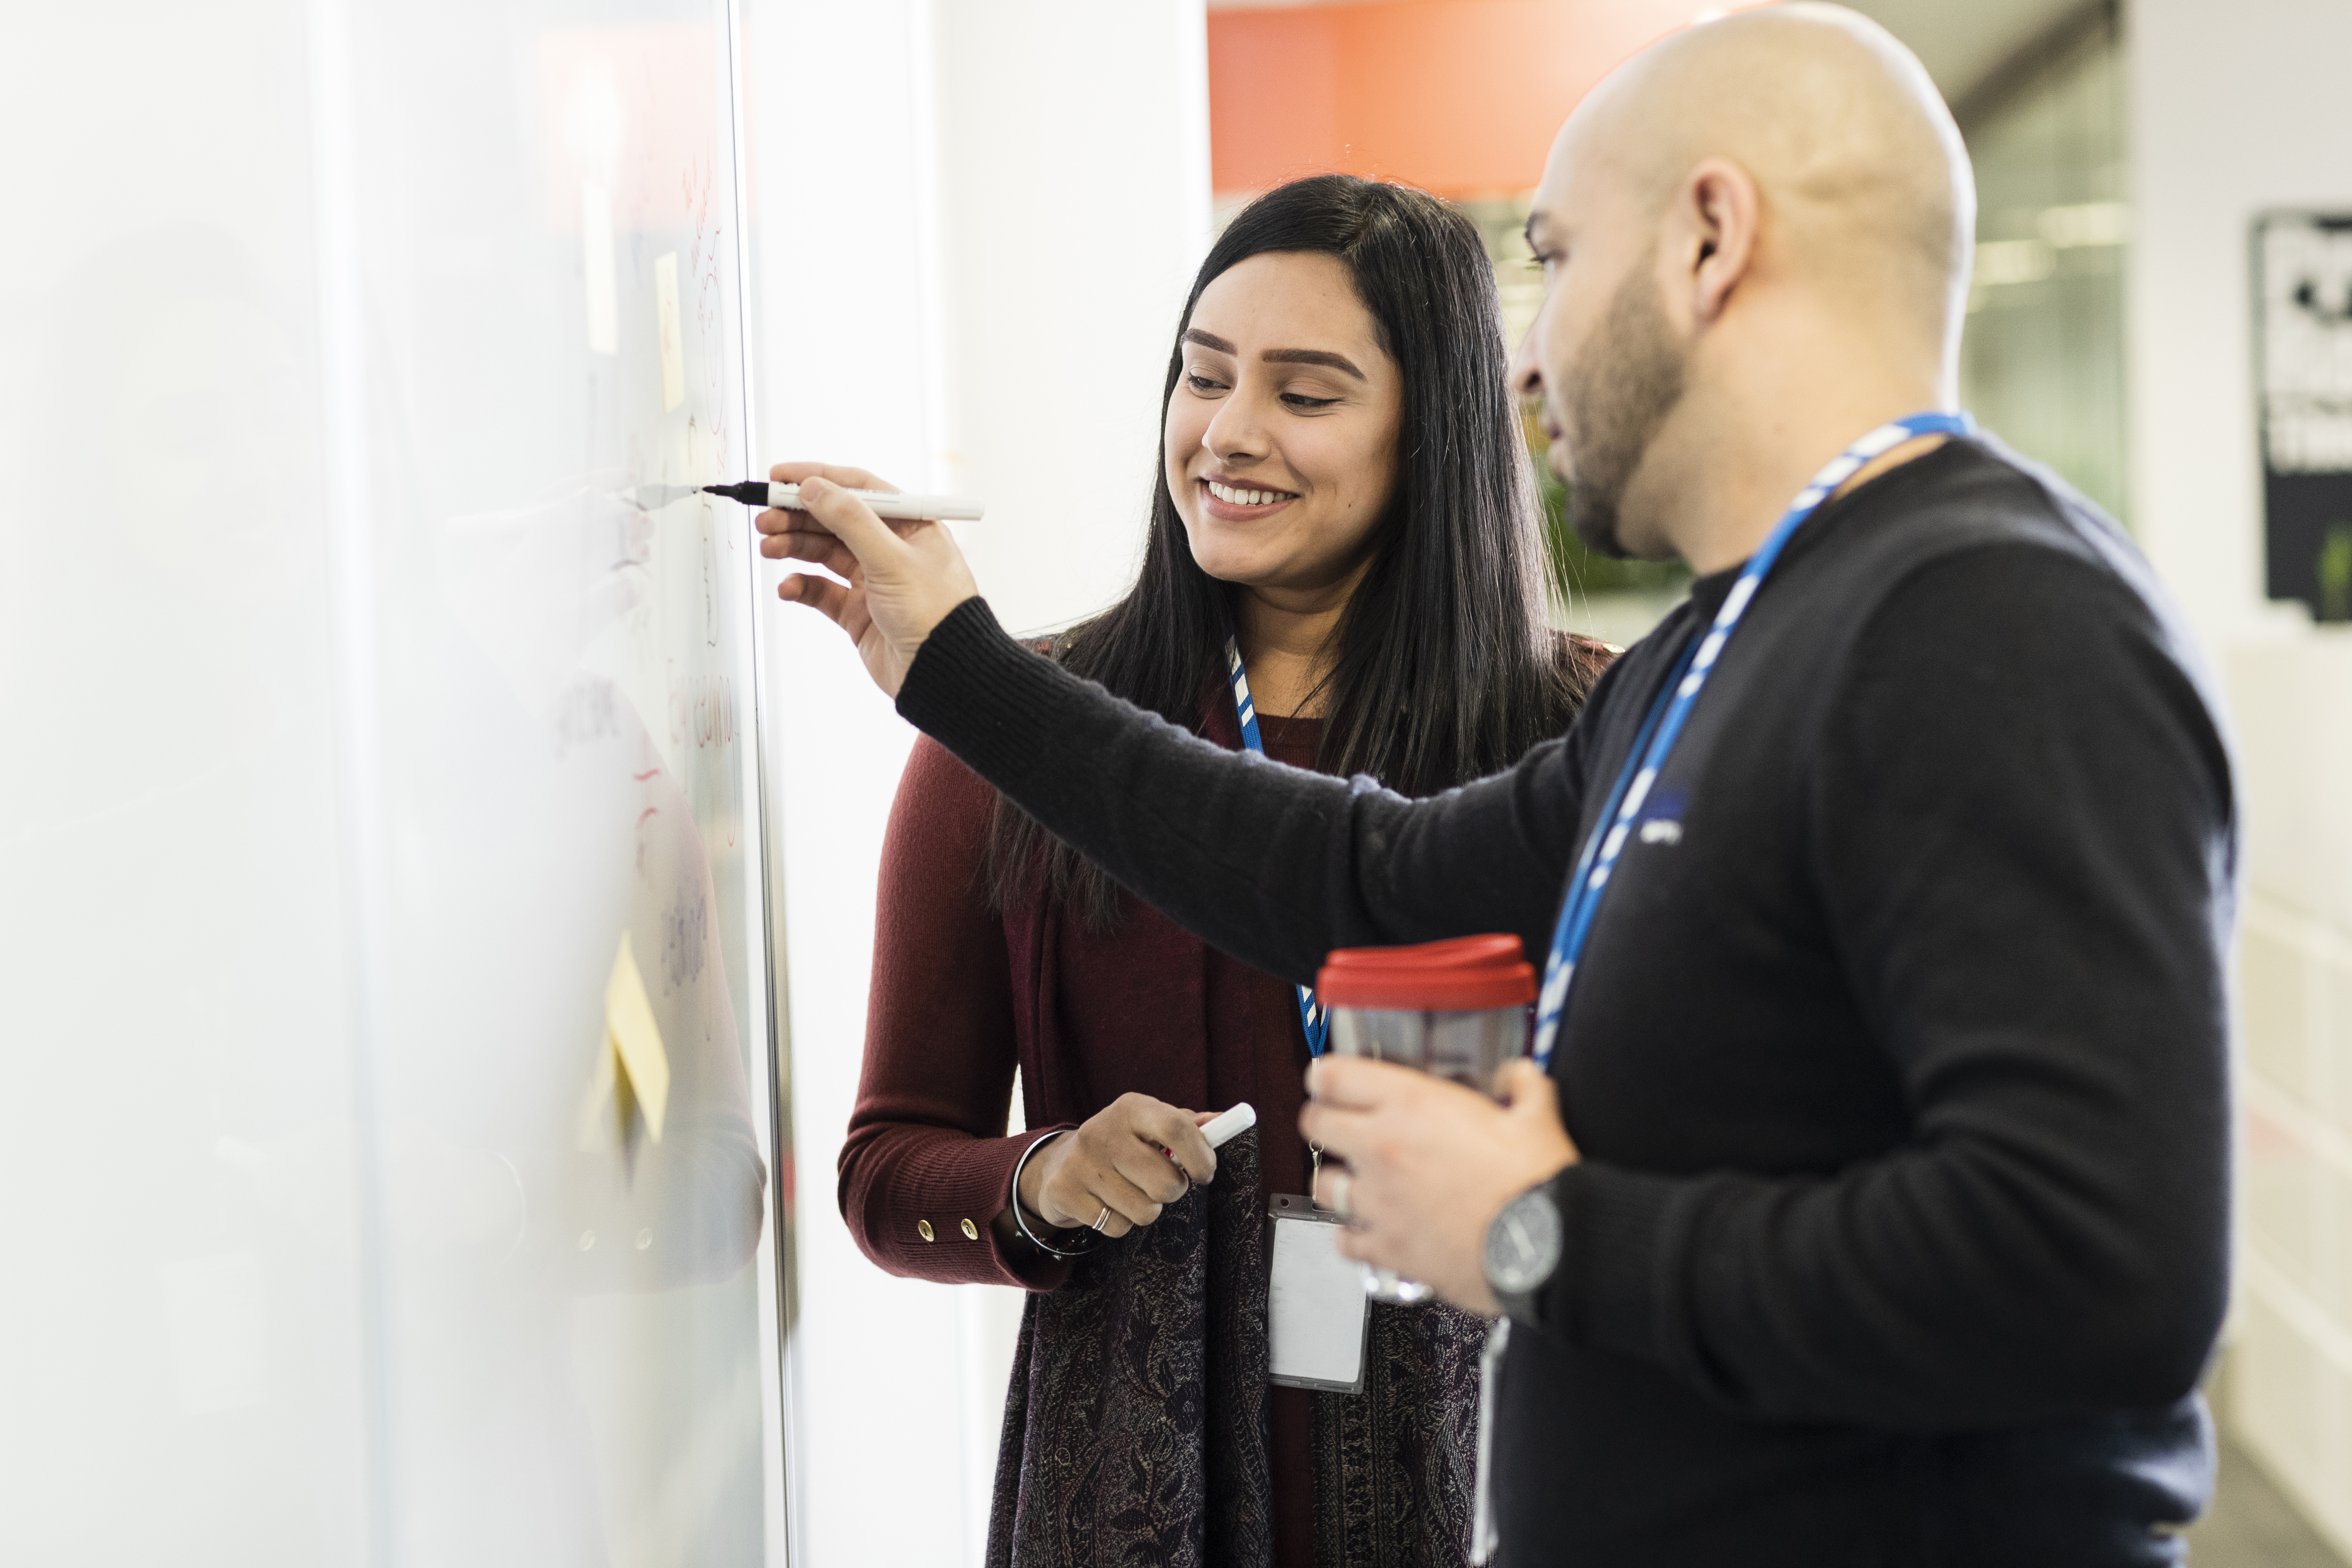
[
  {"x": 970, "y": 1231},
  {"x": 923, "y": 1228}
]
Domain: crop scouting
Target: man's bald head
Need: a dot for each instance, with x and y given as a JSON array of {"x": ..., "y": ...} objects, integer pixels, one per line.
[
  {"x": 1863, "y": 173},
  {"x": 1760, "y": 221}
]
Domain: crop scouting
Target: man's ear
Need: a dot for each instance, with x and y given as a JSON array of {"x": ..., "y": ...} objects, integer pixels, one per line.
[{"x": 1719, "y": 204}]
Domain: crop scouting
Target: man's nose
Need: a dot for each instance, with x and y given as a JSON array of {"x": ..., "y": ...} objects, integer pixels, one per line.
[{"x": 1524, "y": 377}]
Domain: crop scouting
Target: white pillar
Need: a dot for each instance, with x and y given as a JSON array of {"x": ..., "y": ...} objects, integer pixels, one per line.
[
  {"x": 972, "y": 227},
  {"x": 1074, "y": 198}
]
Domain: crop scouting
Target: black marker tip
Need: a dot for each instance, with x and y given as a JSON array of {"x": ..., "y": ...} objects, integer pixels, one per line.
[{"x": 750, "y": 492}]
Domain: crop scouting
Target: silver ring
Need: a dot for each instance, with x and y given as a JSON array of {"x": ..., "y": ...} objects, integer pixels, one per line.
[{"x": 1101, "y": 1219}]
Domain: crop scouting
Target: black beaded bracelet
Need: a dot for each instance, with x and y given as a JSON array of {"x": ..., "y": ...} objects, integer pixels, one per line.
[{"x": 1088, "y": 1240}]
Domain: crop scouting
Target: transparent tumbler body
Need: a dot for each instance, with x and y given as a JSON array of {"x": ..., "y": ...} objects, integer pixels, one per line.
[{"x": 1466, "y": 1048}]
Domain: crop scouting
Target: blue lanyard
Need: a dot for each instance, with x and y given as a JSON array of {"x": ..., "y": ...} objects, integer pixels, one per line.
[
  {"x": 1312, "y": 1017},
  {"x": 1664, "y": 724}
]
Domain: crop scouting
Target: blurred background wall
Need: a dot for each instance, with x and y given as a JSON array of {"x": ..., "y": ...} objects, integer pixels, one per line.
[
  {"x": 975, "y": 224},
  {"x": 2230, "y": 116}
]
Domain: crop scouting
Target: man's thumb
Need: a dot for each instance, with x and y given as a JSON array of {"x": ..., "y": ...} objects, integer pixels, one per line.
[{"x": 1527, "y": 1088}]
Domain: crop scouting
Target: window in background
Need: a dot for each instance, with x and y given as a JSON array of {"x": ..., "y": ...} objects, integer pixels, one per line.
[
  {"x": 2042, "y": 359},
  {"x": 1616, "y": 601}
]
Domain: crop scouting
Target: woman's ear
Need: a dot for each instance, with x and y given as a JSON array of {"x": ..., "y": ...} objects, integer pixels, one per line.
[{"x": 1719, "y": 204}]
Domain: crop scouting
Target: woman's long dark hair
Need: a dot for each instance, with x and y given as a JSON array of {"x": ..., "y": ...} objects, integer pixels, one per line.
[{"x": 1444, "y": 669}]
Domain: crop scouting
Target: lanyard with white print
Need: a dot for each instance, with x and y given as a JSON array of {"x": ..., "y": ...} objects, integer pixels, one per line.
[
  {"x": 1664, "y": 725},
  {"x": 1312, "y": 1017},
  {"x": 1653, "y": 744}
]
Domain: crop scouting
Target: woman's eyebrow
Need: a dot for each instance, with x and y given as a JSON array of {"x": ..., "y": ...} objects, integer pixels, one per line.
[
  {"x": 1312, "y": 356},
  {"x": 1278, "y": 356}
]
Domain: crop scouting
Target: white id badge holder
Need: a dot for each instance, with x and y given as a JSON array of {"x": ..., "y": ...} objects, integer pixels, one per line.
[{"x": 1317, "y": 1314}]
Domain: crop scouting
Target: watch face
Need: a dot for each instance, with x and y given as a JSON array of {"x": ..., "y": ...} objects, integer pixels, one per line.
[{"x": 1522, "y": 1244}]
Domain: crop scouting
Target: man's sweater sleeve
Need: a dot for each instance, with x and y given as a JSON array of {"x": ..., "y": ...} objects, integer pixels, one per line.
[
  {"x": 1275, "y": 866},
  {"x": 2020, "y": 837}
]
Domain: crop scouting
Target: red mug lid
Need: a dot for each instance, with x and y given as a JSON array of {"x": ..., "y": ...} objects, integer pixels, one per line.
[{"x": 1461, "y": 974}]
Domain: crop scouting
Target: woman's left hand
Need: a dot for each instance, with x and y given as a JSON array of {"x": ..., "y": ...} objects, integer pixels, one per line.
[{"x": 1121, "y": 1167}]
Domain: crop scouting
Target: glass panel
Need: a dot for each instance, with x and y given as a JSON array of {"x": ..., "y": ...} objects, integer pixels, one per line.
[
  {"x": 2042, "y": 359},
  {"x": 182, "y": 1382},
  {"x": 571, "y": 1096}
]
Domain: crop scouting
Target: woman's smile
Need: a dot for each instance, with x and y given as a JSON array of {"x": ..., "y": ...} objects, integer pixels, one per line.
[{"x": 1228, "y": 502}]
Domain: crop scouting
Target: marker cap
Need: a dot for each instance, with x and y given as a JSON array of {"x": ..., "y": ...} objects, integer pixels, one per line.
[{"x": 1224, "y": 1129}]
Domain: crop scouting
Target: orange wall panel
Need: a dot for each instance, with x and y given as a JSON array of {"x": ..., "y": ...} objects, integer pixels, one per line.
[{"x": 1461, "y": 97}]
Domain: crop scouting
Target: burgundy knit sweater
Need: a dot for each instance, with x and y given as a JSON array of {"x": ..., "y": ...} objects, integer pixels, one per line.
[{"x": 963, "y": 995}]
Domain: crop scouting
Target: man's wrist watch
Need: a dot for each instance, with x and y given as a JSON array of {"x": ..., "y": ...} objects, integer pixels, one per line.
[{"x": 1522, "y": 1251}]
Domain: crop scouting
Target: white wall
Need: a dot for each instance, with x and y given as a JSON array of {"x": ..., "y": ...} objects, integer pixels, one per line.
[
  {"x": 1074, "y": 202},
  {"x": 972, "y": 226},
  {"x": 2235, "y": 109}
]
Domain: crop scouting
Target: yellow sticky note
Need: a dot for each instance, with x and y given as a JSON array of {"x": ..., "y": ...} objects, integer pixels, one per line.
[
  {"x": 636, "y": 1040},
  {"x": 599, "y": 272},
  {"x": 673, "y": 334}
]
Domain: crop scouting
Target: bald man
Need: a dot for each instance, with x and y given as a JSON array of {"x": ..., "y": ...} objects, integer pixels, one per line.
[{"x": 1872, "y": 1209}]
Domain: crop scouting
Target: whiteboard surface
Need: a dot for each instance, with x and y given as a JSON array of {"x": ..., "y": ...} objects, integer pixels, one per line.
[{"x": 422, "y": 684}]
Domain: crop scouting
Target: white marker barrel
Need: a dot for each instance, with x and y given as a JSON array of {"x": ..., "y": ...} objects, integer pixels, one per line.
[{"x": 893, "y": 504}]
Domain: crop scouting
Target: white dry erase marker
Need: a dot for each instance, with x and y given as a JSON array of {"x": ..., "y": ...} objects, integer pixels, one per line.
[
  {"x": 885, "y": 504},
  {"x": 1230, "y": 1126},
  {"x": 1224, "y": 1127}
]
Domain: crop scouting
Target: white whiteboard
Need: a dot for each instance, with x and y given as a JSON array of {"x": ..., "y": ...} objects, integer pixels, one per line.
[{"x": 361, "y": 749}]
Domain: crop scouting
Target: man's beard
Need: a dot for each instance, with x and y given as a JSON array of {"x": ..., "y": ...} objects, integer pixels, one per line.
[{"x": 1630, "y": 379}]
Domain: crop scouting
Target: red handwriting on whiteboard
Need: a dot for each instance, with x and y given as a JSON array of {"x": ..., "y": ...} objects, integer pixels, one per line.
[{"x": 702, "y": 710}]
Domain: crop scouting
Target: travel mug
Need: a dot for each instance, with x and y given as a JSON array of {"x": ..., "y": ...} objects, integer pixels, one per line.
[{"x": 1457, "y": 1008}]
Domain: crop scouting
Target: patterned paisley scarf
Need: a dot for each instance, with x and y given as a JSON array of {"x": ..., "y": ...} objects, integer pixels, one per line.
[{"x": 1135, "y": 1431}]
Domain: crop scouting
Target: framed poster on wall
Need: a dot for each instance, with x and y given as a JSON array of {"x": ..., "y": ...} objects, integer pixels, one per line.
[{"x": 2303, "y": 388}]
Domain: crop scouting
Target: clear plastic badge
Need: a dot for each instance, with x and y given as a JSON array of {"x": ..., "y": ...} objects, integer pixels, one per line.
[{"x": 1316, "y": 1313}]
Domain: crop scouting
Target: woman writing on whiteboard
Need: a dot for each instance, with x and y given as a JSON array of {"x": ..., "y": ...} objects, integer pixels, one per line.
[{"x": 1343, "y": 500}]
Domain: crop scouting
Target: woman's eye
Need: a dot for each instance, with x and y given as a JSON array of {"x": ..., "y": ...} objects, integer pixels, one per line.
[
  {"x": 1300, "y": 400},
  {"x": 1199, "y": 383}
]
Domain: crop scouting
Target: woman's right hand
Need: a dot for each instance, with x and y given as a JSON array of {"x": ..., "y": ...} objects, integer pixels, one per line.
[
  {"x": 1119, "y": 1160},
  {"x": 900, "y": 578}
]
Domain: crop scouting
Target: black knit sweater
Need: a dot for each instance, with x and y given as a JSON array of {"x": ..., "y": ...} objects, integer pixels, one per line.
[{"x": 1896, "y": 1066}]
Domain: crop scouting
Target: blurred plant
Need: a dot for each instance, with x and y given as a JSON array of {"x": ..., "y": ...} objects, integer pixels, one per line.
[
  {"x": 2336, "y": 574},
  {"x": 1570, "y": 566}
]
